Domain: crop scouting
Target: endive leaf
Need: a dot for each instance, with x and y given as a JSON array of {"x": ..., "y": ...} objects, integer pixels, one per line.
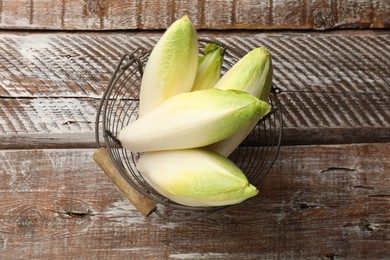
[
  {"x": 172, "y": 65},
  {"x": 195, "y": 177},
  {"x": 209, "y": 67},
  {"x": 193, "y": 119}
]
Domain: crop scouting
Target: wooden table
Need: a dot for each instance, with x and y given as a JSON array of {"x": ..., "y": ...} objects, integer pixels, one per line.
[{"x": 326, "y": 197}]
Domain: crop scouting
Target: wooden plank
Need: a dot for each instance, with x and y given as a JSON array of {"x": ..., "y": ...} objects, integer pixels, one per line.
[
  {"x": 335, "y": 110},
  {"x": 330, "y": 93},
  {"x": 49, "y": 123},
  {"x": 220, "y": 14},
  {"x": 46, "y": 115},
  {"x": 70, "y": 122},
  {"x": 51, "y": 67},
  {"x": 318, "y": 202},
  {"x": 82, "y": 64}
]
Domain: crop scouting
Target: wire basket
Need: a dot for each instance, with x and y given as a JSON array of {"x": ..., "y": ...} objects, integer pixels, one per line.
[{"x": 119, "y": 106}]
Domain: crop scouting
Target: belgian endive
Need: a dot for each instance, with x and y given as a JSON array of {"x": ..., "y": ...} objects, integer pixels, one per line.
[
  {"x": 209, "y": 67},
  {"x": 192, "y": 119},
  {"x": 252, "y": 74},
  {"x": 172, "y": 65},
  {"x": 195, "y": 177}
]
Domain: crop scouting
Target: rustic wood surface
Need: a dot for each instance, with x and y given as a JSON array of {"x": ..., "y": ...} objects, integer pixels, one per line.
[
  {"x": 318, "y": 202},
  {"x": 327, "y": 195},
  {"x": 206, "y": 14}
]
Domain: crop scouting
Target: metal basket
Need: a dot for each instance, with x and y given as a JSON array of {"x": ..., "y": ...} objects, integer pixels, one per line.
[{"x": 119, "y": 106}]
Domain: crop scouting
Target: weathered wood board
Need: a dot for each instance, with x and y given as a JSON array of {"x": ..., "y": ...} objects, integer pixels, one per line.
[
  {"x": 335, "y": 86},
  {"x": 318, "y": 202},
  {"x": 205, "y": 14}
]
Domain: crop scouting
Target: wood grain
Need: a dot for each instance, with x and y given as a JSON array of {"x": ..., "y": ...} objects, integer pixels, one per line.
[
  {"x": 335, "y": 87},
  {"x": 220, "y": 14},
  {"x": 318, "y": 202},
  {"x": 32, "y": 123}
]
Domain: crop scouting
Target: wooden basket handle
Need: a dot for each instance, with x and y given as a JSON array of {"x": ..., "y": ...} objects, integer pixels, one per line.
[{"x": 142, "y": 203}]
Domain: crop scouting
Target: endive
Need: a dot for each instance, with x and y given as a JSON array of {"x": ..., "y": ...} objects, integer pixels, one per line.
[
  {"x": 253, "y": 74},
  {"x": 195, "y": 177},
  {"x": 192, "y": 119},
  {"x": 209, "y": 67},
  {"x": 172, "y": 65}
]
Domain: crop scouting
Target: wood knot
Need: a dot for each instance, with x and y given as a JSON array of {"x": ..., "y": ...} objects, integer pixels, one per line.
[
  {"x": 3, "y": 242},
  {"x": 75, "y": 209},
  {"x": 323, "y": 20},
  {"x": 364, "y": 225},
  {"x": 29, "y": 218},
  {"x": 96, "y": 8}
]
